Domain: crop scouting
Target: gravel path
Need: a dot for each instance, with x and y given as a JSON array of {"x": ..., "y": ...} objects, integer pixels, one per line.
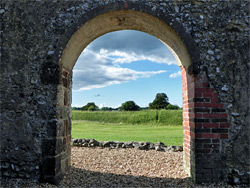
[{"x": 95, "y": 167}]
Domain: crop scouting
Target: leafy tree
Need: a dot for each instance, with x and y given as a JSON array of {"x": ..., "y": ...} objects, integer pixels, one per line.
[
  {"x": 173, "y": 107},
  {"x": 92, "y": 108},
  {"x": 160, "y": 101},
  {"x": 129, "y": 106},
  {"x": 106, "y": 109},
  {"x": 87, "y": 106}
]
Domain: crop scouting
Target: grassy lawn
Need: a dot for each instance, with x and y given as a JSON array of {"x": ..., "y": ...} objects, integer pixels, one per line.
[{"x": 169, "y": 135}]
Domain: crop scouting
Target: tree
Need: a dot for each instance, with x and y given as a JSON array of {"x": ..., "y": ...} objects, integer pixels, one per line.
[
  {"x": 87, "y": 106},
  {"x": 92, "y": 108},
  {"x": 76, "y": 108},
  {"x": 129, "y": 106},
  {"x": 173, "y": 107},
  {"x": 160, "y": 102},
  {"x": 106, "y": 109}
]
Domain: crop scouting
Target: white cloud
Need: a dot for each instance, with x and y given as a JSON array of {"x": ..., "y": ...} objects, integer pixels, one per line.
[
  {"x": 100, "y": 64},
  {"x": 102, "y": 105},
  {"x": 175, "y": 75},
  {"x": 95, "y": 70},
  {"x": 126, "y": 57}
]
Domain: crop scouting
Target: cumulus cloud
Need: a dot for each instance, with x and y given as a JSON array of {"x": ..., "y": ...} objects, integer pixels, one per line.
[
  {"x": 98, "y": 74},
  {"x": 127, "y": 57},
  {"x": 175, "y": 75},
  {"x": 100, "y": 64},
  {"x": 135, "y": 43}
]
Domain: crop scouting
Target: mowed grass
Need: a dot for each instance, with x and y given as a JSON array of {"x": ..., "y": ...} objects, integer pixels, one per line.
[
  {"x": 150, "y": 117},
  {"x": 169, "y": 135}
]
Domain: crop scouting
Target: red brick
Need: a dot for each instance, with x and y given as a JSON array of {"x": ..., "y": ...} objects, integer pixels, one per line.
[
  {"x": 187, "y": 137},
  {"x": 198, "y": 94},
  {"x": 224, "y": 125},
  {"x": 206, "y": 84},
  {"x": 198, "y": 104},
  {"x": 214, "y": 100},
  {"x": 207, "y": 150},
  {"x": 198, "y": 125},
  {"x": 213, "y": 105},
  {"x": 207, "y": 94},
  {"x": 198, "y": 85},
  {"x": 211, "y": 115},
  {"x": 198, "y": 115},
  {"x": 211, "y": 135},
  {"x": 185, "y": 123},
  {"x": 211, "y": 125},
  {"x": 224, "y": 136},
  {"x": 224, "y": 115},
  {"x": 187, "y": 145},
  {"x": 186, "y": 140},
  {"x": 204, "y": 90},
  {"x": 198, "y": 135},
  {"x": 186, "y": 132}
]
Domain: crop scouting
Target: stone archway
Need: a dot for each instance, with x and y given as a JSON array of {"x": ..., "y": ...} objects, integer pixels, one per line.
[
  {"x": 135, "y": 20},
  {"x": 212, "y": 47}
]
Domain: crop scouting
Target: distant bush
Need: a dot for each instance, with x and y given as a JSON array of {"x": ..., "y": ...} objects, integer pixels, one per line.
[
  {"x": 106, "y": 109},
  {"x": 90, "y": 106},
  {"x": 172, "y": 107},
  {"x": 129, "y": 106}
]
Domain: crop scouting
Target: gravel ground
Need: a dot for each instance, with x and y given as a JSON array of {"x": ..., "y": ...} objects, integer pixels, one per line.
[{"x": 95, "y": 167}]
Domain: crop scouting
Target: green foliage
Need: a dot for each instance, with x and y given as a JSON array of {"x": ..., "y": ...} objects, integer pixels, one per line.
[
  {"x": 76, "y": 108},
  {"x": 173, "y": 107},
  {"x": 92, "y": 108},
  {"x": 90, "y": 104},
  {"x": 170, "y": 117},
  {"x": 169, "y": 135},
  {"x": 106, "y": 109},
  {"x": 160, "y": 101},
  {"x": 153, "y": 117},
  {"x": 129, "y": 106}
]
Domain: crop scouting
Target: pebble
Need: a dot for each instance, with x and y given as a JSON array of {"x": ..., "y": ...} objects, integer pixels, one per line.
[{"x": 96, "y": 167}]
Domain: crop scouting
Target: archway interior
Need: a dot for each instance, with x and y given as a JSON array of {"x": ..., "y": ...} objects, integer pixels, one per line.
[{"x": 115, "y": 21}]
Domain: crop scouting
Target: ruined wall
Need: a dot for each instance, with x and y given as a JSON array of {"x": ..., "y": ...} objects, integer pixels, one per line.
[{"x": 33, "y": 37}]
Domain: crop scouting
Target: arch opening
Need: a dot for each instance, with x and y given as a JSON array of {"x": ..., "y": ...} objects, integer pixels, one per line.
[{"x": 115, "y": 21}]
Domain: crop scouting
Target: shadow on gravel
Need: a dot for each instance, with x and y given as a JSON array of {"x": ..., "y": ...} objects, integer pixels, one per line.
[{"x": 77, "y": 177}]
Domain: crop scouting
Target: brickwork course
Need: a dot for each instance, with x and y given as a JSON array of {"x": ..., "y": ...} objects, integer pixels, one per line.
[{"x": 38, "y": 50}]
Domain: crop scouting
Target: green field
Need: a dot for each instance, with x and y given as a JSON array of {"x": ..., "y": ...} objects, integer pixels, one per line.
[
  {"x": 169, "y": 135},
  {"x": 148, "y": 125},
  {"x": 150, "y": 117}
]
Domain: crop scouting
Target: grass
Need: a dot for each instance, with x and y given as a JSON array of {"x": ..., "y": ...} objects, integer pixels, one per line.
[
  {"x": 169, "y": 135},
  {"x": 151, "y": 117}
]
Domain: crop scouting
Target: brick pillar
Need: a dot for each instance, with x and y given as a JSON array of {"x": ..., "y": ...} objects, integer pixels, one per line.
[
  {"x": 188, "y": 121},
  {"x": 205, "y": 126}
]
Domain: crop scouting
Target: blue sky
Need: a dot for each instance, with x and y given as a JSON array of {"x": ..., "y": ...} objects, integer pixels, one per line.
[{"x": 125, "y": 65}]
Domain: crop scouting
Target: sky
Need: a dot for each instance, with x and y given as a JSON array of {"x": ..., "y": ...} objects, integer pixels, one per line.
[{"x": 125, "y": 65}]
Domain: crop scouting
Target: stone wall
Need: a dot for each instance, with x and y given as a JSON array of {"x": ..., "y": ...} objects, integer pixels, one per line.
[
  {"x": 36, "y": 90},
  {"x": 92, "y": 143}
]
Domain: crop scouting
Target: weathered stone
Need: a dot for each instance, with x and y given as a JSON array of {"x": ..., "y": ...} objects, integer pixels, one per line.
[{"x": 36, "y": 92}]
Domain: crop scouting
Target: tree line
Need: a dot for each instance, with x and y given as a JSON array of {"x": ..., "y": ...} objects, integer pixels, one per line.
[{"x": 161, "y": 101}]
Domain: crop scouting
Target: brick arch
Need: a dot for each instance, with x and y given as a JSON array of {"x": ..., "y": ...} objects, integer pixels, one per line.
[{"x": 204, "y": 118}]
